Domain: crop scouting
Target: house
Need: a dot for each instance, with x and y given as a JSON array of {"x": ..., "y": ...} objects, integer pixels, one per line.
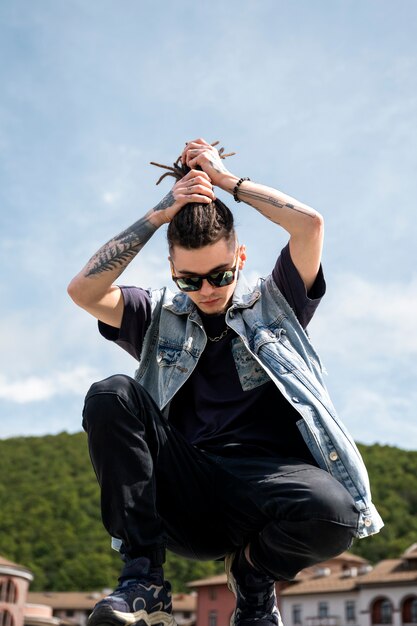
[
  {"x": 359, "y": 595},
  {"x": 344, "y": 591},
  {"x": 14, "y": 584},
  {"x": 74, "y": 607},
  {"x": 19, "y": 607}
]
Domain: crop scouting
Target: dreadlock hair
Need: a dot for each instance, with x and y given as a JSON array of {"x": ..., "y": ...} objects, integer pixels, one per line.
[{"x": 198, "y": 224}]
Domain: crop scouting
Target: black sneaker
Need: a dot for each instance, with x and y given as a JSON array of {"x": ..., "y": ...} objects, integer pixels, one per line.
[
  {"x": 142, "y": 598},
  {"x": 256, "y": 601}
]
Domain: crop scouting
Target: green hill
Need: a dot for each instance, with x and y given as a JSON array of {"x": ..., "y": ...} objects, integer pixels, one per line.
[{"x": 50, "y": 513}]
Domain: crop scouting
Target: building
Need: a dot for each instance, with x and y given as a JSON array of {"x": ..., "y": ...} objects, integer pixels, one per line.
[
  {"x": 359, "y": 595},
  {"x": 344, "y": 591},
  {"x": 14, "y": 584},
  {"x": 74, "y": 607},
  {"x": 19, "y": 607}
]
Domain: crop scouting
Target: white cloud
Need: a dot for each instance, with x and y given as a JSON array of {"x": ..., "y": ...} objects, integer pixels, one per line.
[
  {"x": 360, "y": 317},
  {"x": 383, "y": 416},
  {"x": 365, "y": 333},
  {"x": 110, "y": 197},
  {"x": 38, "y": 388}
]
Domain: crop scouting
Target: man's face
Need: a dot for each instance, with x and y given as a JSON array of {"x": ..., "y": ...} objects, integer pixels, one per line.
[{"x": 209, "y": 259}]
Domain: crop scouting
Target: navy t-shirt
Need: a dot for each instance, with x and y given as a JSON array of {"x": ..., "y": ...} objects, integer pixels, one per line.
[{"x": 216, "y": 409}]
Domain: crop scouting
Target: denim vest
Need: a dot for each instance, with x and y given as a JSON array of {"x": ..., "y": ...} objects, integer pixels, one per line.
[{"x": 272, "y": 342}]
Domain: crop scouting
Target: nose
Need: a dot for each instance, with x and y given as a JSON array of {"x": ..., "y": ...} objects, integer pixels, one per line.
[{"x": 206, "y": 288}]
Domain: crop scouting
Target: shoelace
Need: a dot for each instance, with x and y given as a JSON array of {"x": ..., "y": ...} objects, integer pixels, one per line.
[{"x": 126, "y": 585}]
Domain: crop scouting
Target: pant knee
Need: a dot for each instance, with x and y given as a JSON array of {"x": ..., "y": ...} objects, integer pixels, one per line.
[
  {"x": 332, "y": 502},
  {"x": 112, "y": 385},
  {"x": 102, "y": 401}
]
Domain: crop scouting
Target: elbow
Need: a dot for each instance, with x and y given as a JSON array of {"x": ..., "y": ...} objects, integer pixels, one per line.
[
  {"x": 317, "y": 226},
  {"x": 75, "y": 292}
]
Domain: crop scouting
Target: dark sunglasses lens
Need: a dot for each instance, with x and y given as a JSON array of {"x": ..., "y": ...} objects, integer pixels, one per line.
[
  {"x": 189, "y": 283},
  {"x": 221, "y": 279}
]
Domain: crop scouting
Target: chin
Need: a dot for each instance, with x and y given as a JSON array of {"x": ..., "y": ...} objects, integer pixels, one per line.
[{"x": 212, "y": 310}]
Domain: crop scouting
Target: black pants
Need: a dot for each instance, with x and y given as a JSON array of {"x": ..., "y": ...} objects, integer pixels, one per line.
[{"x": 158, "y": 490}]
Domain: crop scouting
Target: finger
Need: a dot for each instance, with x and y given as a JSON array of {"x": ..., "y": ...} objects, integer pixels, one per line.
[
  {"x": 200, "y": 180},
  {"x": 200, "y": 189},
  {"x": 200, "y": 140},
  {"x": 195, "y": 197},
  {"x": 195, "y": 189},
  {"x": 193, "y": 149},
  {"x": 199, "y": 174}
]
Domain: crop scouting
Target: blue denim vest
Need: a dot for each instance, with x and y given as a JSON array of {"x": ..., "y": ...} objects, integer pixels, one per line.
[{"x": 273, "y": 342}]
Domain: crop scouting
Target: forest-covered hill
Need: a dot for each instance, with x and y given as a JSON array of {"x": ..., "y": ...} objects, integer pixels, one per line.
[{"x": 50, "y": 513}]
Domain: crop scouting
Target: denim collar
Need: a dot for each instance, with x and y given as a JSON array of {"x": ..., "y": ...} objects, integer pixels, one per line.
[{"x": 244, "y": 296}]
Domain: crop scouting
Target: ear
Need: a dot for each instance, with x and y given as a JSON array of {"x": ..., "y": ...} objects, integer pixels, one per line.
[{"x": 242, "y": 256}]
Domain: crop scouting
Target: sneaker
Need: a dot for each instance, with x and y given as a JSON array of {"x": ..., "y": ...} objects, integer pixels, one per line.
[
  {"x": 256, "y": 601},
  {"x": 142, "y": 598}
]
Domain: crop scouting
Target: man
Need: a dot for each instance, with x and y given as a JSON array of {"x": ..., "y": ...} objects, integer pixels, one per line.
[{"x": 226, "y": 445}]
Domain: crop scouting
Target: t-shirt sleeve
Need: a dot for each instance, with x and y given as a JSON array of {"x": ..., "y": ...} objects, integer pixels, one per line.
[
  {"x": 291, "y": 285},
  {"x": 135, "y": 321}
]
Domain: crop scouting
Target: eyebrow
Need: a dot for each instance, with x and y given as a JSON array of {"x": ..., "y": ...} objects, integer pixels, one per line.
[{"x": 212, "y": 271}]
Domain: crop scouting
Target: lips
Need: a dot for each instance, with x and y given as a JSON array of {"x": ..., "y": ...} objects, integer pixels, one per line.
[{"x": 208, "y": 302}]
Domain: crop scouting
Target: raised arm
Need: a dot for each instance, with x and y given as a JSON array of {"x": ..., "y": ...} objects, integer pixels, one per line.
[
  {"x": 93, "y": 287},
  {"x": 304, "y": 224}
]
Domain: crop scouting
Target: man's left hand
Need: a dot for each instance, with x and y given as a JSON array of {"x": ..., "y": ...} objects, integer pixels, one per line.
[{"x": 200, "y": 153}]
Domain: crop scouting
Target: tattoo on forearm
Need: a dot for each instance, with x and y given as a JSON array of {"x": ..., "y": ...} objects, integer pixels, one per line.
[
  {"x": 218, "y": 168},
  {"x": 165, "y": 202},
  {"x": 268, "y": 199},
  {"x": 118, "y": 252}
]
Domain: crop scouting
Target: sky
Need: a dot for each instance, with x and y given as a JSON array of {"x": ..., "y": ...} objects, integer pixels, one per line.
[{"x": 317, "y": 98}]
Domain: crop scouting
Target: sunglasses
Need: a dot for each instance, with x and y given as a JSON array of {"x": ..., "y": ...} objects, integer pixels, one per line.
[{"x": 216, "y": 279}]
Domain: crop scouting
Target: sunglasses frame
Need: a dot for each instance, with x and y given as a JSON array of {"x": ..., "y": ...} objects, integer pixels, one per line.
[{"x": 208, "y": 277}]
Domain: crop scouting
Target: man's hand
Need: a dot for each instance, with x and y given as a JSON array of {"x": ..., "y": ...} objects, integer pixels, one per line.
[
  {"x": 195, "y": 186},
  {"x": 202, "y": 154}
]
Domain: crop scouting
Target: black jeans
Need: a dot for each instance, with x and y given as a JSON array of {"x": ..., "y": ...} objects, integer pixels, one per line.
[{"x": 158, "y": 490}]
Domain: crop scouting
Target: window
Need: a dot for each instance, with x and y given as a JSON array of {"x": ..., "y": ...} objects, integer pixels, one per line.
[
  {"x": 413, "y": 611},
  {"x": 382, "y": 611},
  {"x": 386, "y": 612},
  {"x": 409, "y": 611},
  {"x": 323, "y": 609},
  {"x": 212, "y": 620},
  {"x": 296, "y": 614},
  {"x": 70, "y": 613},
  {"x": 213, "y": 593},
  {"x": 6, "y": 619},
  {"x": 350, "y": 611},
  {"x": 8, "y": 591}
]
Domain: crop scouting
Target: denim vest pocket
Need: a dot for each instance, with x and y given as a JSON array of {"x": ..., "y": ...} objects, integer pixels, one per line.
[
  {"x": 167, "y": 355},
  {"x": 251, "y": 373}
]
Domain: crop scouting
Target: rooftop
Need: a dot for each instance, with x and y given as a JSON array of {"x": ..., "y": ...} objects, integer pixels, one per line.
[
  {"x": 13, "y": 569},
  {"x": 64, "y": 600}
]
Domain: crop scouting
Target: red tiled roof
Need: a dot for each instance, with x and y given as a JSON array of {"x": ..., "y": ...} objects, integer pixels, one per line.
[
  {"x": 389, "y": 571},
  {"x": 4, "y": 561},
  {"x": 66, "y": 599},
  {"x": 411, "y": 552},
  {"x": 9, "y": 567},
  {"x": 63, "y": 600},
  {"x": 219, "y": 579},
  {"x": 333, "y": 583},
  {"x": 346, "y": 558}
]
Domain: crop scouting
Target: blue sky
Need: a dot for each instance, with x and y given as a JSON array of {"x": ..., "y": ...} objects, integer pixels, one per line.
[{"x": 318, "y": 98}]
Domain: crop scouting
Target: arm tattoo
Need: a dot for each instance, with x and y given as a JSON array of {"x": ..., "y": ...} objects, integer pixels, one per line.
[
  {"x": 118, "y": 252},
  {"x": 268, "y": 199},
  {"x": 218, "y": 167},
  {"x": 165, "y": 202}
]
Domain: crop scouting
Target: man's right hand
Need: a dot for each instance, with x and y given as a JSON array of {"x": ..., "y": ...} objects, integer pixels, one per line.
[
  {"x": 93, "y": 288},
  {"x": 195, "y": 186}
]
